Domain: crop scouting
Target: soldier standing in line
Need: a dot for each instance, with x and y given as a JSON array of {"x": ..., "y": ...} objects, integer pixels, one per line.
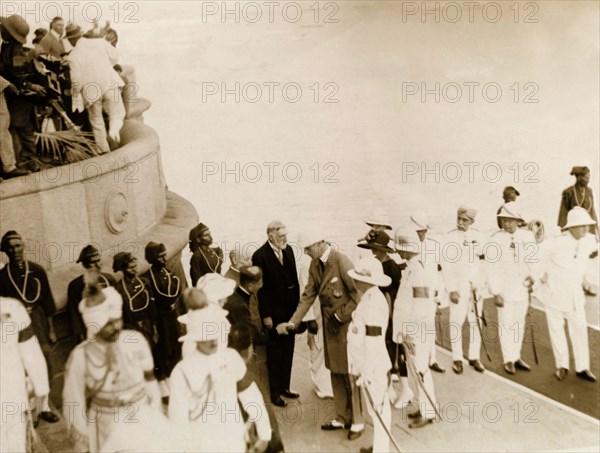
[
  {"x": 414, "y": 320},
  {"x": 578, "y": 195},
  {"x": 90, "y": 259},
  {"x": 27, "y": 282},
  {"x": 139, "y": 309},
  {"x": 462, "y": 279},
  {"x": 368, "y": 357},
  {"x": 511, "y": 267},
  {"x": 564, "y": 265},
  {"x": 206, "y": 258},
  {"x": 166, "y": 290}
]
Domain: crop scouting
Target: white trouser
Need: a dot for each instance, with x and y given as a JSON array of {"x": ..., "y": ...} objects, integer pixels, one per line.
[
  {"x": 381, "y": 441},
  {"x": 420, "y": 326},
  {"x": 511, "y": 320},
  {"x": 111, "y": 103},
  {"x": 433, "y": 354},
  {"x": 319, "y": 374},
  {"x": 578, "y": 333},
  {"x": 464, "y": 309}
]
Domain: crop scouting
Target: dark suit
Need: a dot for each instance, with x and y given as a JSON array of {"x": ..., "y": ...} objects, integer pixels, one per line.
[
  {"x": 278, "y": 300},
  {"x": 241, "y": 311},
  {"x": 74, "y": 296}
]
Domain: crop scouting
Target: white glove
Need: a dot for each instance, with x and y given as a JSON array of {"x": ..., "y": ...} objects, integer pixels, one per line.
[{"x": 77, "y": 102}]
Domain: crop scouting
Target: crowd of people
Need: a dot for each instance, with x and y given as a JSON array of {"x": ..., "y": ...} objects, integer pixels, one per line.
[
  {"x": 205, "y": 366},
  {"x": 68, "y": 80}
]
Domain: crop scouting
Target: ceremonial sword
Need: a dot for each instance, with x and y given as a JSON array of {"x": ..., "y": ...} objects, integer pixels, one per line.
[
  {"x": 479, "y": 320},
  {"x": 380, "y": 418}
]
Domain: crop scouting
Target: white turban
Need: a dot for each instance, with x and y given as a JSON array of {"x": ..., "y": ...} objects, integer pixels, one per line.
[{"x": 97, "y": 316}]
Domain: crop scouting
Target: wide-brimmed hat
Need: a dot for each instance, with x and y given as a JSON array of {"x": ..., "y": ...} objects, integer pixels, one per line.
[
  {"x": 72, "y": 31},
  {"x": 407, "y": 239},
  {"x": 419, "y": 219},
  {"x": 16, "y": 26},
  {"x": 578, "y": 216},
  {"x": 216, "y": 287},
  {"x": 206, "y": 324},
  {"x": 309, "y": 237},
  {"x": 379, "y": 217},
  {"x": 510, "y": 210},
  {"x": 380, "y": 242},
  {"x": 370, "y": 270}
]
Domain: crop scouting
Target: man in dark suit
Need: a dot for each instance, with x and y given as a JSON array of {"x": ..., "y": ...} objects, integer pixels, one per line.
[
  {"x": 277, "y": 301},
  {"x": 243, "y": 311},
  {"x": 90, "y": 259},
  {"x": 329, "y": 280}
]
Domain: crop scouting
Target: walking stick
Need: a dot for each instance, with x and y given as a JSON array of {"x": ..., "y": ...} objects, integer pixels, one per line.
[
  {"x": 478, "y": 319},
  {"x": 438, "y": 325},
  {"x": 530, "y": 314},
  {"x": 419, "y": 378},
  {"x": 380, "y": 418}
]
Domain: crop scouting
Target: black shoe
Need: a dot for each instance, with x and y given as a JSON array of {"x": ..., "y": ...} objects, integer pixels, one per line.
[
  {"x": 561, "y": 373},
  {"x": 435, "y": 367},
  {"x": 165, "y": 400},
  {"x": 589, "y": 292},
  {"x": 290, "y": 394},
  {"x": 278, "y": 401},
  {"x": 509, "y": 367},
  {"x": 520, "y": 365},
  {"x": 477, "y": 365},
  {"x": 49, "y": 417},
  {"x": 352, "y": 435},
  {"x": 586, "y": 375},
  {"x": 416, "y": 414},
  {"x": 366, "y": 450},
  {"x": 420, "y": 422},
  {"x": 332, "y": 425},
  {"x": 457, "y": 367},
  {"x": 16, "y": 173}
]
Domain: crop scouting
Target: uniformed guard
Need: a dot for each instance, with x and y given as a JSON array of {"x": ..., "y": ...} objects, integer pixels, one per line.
[
  {"x": 206, "y": 257},
  {"x": 20, "y": 355},
  {"x": 431, "y": 248},
  {"x": 578, "y": 195},
  {"x": 511, "y": 266},
  {"x": 207, "y": 383},
  {"x": 90, "y": 259},
  {"x": 28, "y": 282},
  {"x": 166, "y": 290},
  {"x": 414, "y": 320},
  {"x": 368, "y": 358},
  {"x": 107, "y": 374},
  {"x": 139, "y": 309},
  {"x": 564, "y": 264},
  {"x": 461, "y": 272}
]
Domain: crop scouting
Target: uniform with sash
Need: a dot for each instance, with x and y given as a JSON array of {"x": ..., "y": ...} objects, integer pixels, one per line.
[
  {"x": 368, "y": 358},
  {"x": 414, "y": 316}
]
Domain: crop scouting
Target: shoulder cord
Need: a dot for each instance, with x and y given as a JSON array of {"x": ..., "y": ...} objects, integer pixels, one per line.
[
  {"x": 23, "y": 292},
  {"x": 131, "y": 298}
]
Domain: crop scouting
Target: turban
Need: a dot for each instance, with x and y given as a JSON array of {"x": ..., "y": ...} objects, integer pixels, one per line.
[
  {"x": 99, "y": 307},
  {"x": 153, "y": 250},
  {"x": 577, "y": 171},
  {"x": 509, "y": 189},
  {"x": 12, "y": 234},
  {"x": 468, "y": 211},
  {"x": 87, "y": 254},
  {"x": 206, "y": 324},
  {"x": 121, "y": 260},
  {"x": 197, "y": 231},
  {"x": 216, "y": 287}
]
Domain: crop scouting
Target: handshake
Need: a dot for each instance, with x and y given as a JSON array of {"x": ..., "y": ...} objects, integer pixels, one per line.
[{"x": 285, "y": 328}]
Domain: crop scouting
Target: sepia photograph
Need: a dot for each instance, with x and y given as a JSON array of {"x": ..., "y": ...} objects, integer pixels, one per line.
[{"x": 299, "y": 226}]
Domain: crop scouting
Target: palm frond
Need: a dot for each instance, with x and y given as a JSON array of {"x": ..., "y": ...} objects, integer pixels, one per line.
[{"x": 68, "y": 146}]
